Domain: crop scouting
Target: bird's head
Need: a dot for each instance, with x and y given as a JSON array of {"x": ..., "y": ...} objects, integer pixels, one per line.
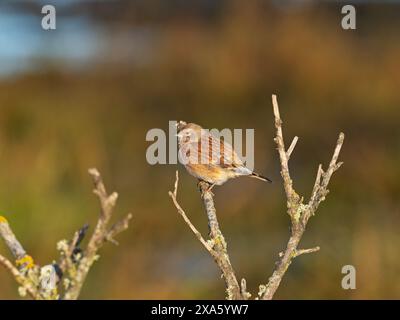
[{"x": 188, "y": 132}]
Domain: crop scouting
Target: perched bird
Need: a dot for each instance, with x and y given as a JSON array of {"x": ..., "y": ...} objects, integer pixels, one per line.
[{"x": 209, "y": 158}]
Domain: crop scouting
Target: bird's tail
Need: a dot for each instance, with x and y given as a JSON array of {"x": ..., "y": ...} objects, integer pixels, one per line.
[{"x": 260, "y": 177}]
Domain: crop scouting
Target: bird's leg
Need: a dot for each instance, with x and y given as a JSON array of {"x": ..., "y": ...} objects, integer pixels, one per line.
[{"x": 208, "y": 189}]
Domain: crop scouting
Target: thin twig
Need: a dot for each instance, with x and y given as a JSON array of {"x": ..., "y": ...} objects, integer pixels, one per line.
[
  {"x": 299, "y": 252},
  {"x": 292, "y": 146},
  {"x": 117, "y": 228},
  {"x": 291, "y": 195},
  {"x": 197, "y": 233},
  {"x": 19, "y": 278},
  {"x": 66, "y": 262},
  {"x": 317, "y": 182}
]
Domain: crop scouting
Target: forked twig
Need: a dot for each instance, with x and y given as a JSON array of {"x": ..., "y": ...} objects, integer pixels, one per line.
[{"x": 298, "y": 211}]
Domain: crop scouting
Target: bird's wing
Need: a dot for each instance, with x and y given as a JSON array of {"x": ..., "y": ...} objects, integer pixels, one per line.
[
  {"x": 226, "y": 156},
  {"x": 223, "y": 152},
  {"x": 216, "y": 151},
  {"x": 212, "y": 151}
]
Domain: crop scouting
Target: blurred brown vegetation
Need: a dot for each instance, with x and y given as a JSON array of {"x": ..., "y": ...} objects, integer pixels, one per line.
[{"x": 218, "y": 68}]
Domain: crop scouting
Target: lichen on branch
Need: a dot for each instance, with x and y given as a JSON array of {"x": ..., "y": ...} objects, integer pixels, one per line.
[{"x": 63, "y": 280}]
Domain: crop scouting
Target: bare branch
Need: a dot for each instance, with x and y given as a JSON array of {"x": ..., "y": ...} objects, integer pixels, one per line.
[
  {"x": 176, "y": 183},
  {"x": 292, "y": 146},
  {"x": 320, "y": 189},
  {"x": 100, "y": 235},
  {"x": 299, "y": 252},
  {"x": 317, "y": 183},
  {"x": 118, "y": 227},
  {"x": 11, "y": 240},
  {"x": 291, "y": 195},
  {"x": 297, "y": 210},
  {"x": 66, "y": 261},
  {"x": 25, "y": 272},
  {"x": 186, "y": 219},
  {"x": 219, "y": 244},
  {"x": 74, "y": 262},
  {"x": 216, "y": 246},
  {"x": 9, "y": 266}
]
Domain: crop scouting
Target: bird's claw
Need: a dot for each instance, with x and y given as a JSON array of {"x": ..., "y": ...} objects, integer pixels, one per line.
[{"x": 205, "y": 190}]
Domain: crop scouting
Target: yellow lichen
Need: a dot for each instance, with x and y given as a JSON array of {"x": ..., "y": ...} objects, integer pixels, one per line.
[
  {"x": 22, "y": 291},
  {"x": 3, "y": 220},
  {"x": 26, "y": 262}
]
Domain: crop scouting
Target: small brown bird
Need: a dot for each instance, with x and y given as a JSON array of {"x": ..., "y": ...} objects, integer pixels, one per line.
[{"x": 209, "y": 158}]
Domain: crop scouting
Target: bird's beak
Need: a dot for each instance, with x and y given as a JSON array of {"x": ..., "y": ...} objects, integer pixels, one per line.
[{"x": 180, "y": 124}]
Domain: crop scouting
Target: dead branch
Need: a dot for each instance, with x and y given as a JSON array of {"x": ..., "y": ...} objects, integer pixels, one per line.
[
  {"x": 25, "y": 271},
  {"x": 42, "y": 282},
  {"x": 101, "y": 234},
  {"x": 298, "y": 211},
  {"x": 11, "y": 240},
  {"x": 25, "y": 284},
  {"x": 198, "y": 235},
  {"x": 216, "y": 245}
]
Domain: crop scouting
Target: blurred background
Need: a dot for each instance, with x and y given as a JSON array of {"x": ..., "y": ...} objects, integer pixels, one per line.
[{"x": 86, "y": 94}]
